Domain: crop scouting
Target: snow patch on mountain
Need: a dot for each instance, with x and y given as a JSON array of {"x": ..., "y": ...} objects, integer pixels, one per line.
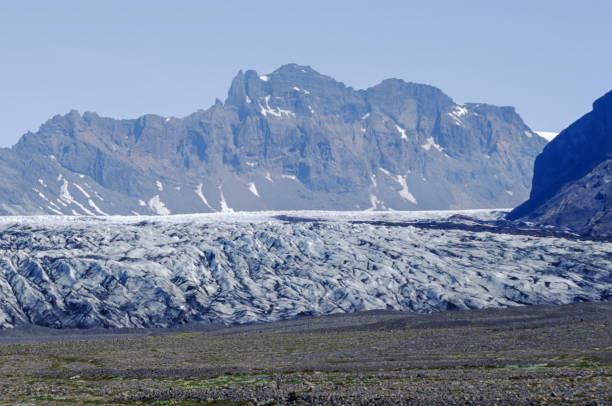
[
  {"x": 429, "y": 142},
  {"x": 50, "y": 204},
  {"x": 386, "y": 172},
  {"x": 277, "y": 112},
  {"x": 253, "y": 189},
  {"x": 198, "y": 191},
  {"x": 82, "y": 190},
  {"x": 456, "y": 114},
  {"x": 224, "y": 206},
  {"x": 96, "y": 208},
  {"x": 158, "y": 206},
  {"x": 297, "y": 89},
  {"x": 459, "y": 111},
  {"x": 376, "y": 203},
  {"x": 67, "y": 198},
  {"x": 55, "y": 209},
  {"x": 401, "y": 180},
  {"x": 401, "y": 131},
  {"x": 404, "y": 191}
]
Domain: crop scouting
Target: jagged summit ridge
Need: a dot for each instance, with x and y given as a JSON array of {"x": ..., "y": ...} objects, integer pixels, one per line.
[{"x": 290, "y": 139}]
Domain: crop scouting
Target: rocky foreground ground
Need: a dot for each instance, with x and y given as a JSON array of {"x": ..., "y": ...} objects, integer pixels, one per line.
[{"x": 521, "y": 355}]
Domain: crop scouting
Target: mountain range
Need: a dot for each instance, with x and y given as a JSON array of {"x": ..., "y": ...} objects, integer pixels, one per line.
[{"x": 291, "y": 139}]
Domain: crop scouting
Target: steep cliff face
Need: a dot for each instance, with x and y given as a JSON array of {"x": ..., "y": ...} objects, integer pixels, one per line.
[
  {"x": 572, "y": 182},
  {"x": 291, "y": 139}
]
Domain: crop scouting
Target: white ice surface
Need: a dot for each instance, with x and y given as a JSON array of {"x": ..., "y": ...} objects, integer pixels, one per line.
[{"x": 245, "y": 267}]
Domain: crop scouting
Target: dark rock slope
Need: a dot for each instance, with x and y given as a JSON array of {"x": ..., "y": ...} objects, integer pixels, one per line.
[
  {"x": 291, "y": 139},
  {"x": 572, "y": 183}
]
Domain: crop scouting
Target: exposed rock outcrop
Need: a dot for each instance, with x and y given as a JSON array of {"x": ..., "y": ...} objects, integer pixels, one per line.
[
  {"x": 291, "y": 139},
  {"x": 572, "y": 182}
]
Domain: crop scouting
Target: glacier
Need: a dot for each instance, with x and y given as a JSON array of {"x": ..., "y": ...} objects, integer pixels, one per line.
[{"x": 241, "y": 267}]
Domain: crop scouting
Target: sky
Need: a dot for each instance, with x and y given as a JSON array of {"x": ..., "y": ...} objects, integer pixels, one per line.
[{"x": 548, "y": 59}]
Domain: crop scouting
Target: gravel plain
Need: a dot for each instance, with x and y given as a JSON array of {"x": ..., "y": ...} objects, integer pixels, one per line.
[{"x": 520, "y": 355}]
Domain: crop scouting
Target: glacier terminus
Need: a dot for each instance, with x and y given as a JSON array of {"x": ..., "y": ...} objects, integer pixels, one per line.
[{"x": 234, "y": 268}]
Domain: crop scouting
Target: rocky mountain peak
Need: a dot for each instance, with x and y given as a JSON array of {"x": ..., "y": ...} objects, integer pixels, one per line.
[
  {"x": 290, "y": 139},
  {"x": 291, "y": 68}
]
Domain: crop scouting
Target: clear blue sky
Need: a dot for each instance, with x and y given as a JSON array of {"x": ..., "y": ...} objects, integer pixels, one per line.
[{"x": 549, "y": 59}]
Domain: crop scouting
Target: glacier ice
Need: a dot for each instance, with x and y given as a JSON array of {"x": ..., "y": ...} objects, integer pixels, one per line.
[{"x": 250, "y": 267}]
